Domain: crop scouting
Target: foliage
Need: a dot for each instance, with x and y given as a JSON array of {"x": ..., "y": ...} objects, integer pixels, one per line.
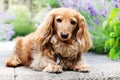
[
  {"x": 6, "y": 29},
  {"x": 99, "y": 36},
  {"x": 113, "y": 42},
  {"x": 22, "y": 23},
  {"x": 43, "y": 3},
  {"x": 95, "y": 12},
  {"x": 5, "y": 1}
]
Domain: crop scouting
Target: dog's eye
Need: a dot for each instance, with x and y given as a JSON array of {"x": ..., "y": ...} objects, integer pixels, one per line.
[
  {"x": 73, "y": 22},
  {"x": 59, "y": 20}
]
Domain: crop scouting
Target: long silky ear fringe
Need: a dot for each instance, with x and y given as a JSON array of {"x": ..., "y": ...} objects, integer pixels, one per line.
[
  {"x": 44, "y": 31},
  {"x": 83, "y": 36}
]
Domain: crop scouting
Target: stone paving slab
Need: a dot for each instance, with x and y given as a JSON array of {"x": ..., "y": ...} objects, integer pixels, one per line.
[
  {"x": 97, "y": 72},
  {"x": 6, "y": 73},
  {"x": 101, "y": 68},
  {"x": 109, "y": 70},
  {"x": 66, "y": 75}
]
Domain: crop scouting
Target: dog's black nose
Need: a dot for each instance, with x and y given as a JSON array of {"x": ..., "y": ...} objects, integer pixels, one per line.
[{"x": 64, "y": 35}]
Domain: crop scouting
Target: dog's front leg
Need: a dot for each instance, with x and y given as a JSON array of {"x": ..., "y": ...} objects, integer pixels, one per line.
[
  {"x": 45, "y": 61},
  {"x": 51, "y": 66},
  {"x": 81, "y": 66}
]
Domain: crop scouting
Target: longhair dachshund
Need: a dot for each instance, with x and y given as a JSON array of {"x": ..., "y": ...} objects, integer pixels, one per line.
[{"x": 56, "y": 45}]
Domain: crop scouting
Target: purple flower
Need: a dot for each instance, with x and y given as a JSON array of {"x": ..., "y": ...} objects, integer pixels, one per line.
[
  {"x": 73, "y": 5},
  {"x": 116, "y": 5},
  {"x": 4, "y": 17},
  {"x": 103, "y": 13},
  {"x": 65, "y": 5},
  {"x": 9, "y": 34},
  {"x": 96, "y": 21},
  {"x": 6, "y": 30},
  {"x": 93, "y": 12}
]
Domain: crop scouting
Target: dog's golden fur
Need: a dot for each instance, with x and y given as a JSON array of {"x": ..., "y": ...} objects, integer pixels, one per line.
[{"x": 63, "y": 33}]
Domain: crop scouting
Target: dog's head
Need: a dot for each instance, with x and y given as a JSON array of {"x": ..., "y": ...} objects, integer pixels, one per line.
[{"x": 66, "y": 23}]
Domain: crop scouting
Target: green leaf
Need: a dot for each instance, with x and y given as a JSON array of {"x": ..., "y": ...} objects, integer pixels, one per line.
[
  {"x": 112, "y": 34},
  {"x": 114, "y": 13},
  {"x": 112, "y": 41},
  {"x": 109, "y": 43},
  {"x": 114, "y": 53}
]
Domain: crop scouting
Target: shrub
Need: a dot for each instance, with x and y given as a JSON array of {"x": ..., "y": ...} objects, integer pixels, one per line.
[
  {"x": 99, "y": 36},
  {"x": 6, "y": 29},
  {"x": 22, "y": 23},
  {"x": 95, "y": 12},
  {"x": 112, "y": 44},
  {"x": 43, "y": 3}
]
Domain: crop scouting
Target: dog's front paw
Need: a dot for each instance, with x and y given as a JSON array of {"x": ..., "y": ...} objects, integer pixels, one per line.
[
  {"x": 13, "y": 61},
  {"x": 81, "y": 67},
  {"x": 53, "y": 68}
]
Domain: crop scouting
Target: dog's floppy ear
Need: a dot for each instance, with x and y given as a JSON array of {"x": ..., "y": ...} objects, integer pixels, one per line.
[
  {"x": 83, "y": 36},
  {"x": 45, "y": 30}
]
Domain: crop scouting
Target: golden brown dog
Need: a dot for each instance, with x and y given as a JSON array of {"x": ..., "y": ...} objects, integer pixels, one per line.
[{"x": 63, "y": 34}]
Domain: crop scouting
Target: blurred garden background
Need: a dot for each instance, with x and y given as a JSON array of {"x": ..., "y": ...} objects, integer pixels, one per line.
[{"x": 21, "y": 17}]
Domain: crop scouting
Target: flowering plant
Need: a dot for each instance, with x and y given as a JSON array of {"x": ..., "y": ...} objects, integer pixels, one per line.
[
  {"x": 6, "y": 29},
  {"x": 95, "y": 12}
]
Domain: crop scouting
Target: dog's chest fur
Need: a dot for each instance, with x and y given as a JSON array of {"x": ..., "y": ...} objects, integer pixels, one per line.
[{"x": 64, "y": 49}]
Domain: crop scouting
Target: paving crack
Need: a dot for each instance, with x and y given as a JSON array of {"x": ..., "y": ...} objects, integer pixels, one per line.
[
  {"x": 102, "y": 73},
  {"x": 15, "y": 75}
]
